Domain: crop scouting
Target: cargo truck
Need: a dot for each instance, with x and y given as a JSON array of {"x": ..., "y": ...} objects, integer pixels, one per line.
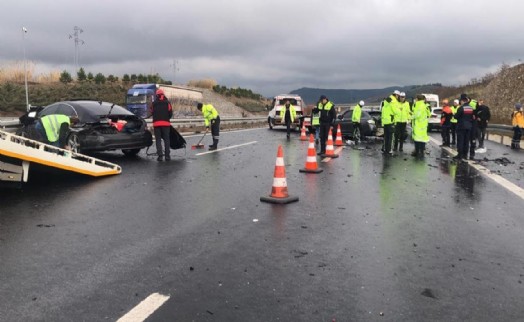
[{"x": 141, "y": 96}]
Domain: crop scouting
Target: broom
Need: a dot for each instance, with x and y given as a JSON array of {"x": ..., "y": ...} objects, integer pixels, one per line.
[{"x": 199, "y": 145}]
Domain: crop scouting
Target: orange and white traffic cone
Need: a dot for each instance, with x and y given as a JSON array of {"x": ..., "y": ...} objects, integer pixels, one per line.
[
  {"x": 303, "y": 136},
  {"x": 311, "y": 161},
  {"x": 338, "y": 140},
  {"x": 279, "y": 194},
  {"x": 330, "y": 150}
]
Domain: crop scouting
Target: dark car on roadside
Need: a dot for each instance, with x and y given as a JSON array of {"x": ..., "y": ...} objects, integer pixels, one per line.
[
  {"x": 367, "y": 124},
  {"x": 99, "y": 126}
]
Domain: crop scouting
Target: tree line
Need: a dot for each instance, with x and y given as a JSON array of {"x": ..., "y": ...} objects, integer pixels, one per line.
[
  {"x": 99, "y": 78},
  {"x": 237, "y": 92}
]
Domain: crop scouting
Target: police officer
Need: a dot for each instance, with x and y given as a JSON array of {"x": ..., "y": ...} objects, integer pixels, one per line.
[
  {"x": 420, "y": 126},
  {"x": 327, "y": 112},
  {"x": 288, "y": 114},
  {"x": 212, "y": 118},
  {"x": 401, "y": 118},
  {"x": 162, "y": 111},
  {"x": 465, "y": 119},
  {"x": 390, "y": 104},
  {"x": 355, "y": 119}
]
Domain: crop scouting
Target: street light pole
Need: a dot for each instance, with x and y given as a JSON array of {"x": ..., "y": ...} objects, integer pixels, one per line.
[{"x": 24, "y": 31}]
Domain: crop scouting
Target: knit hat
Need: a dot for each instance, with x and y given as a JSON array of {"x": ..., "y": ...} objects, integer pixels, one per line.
[
  {"x": 518, "y": 106},
  {"x": 323, "y": 97},
  {"x": 464, "y": 97}
]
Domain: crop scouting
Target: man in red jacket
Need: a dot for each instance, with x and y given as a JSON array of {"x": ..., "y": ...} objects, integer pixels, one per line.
[
  {"x": 162, "y": 112},
  {"x": 445, "y": 122}
]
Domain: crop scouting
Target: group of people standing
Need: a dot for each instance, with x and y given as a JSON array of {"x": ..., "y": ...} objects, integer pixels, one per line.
[{"x": 161, "y": 111}]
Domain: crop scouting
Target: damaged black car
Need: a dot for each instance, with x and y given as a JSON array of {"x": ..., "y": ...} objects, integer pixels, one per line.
[{"x": 98, "y": 126}]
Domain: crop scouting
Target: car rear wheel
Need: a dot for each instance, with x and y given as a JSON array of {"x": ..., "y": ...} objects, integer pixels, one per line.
[
  {"x": 73, "y": 141},
  {"x": 130, "y": 152}
]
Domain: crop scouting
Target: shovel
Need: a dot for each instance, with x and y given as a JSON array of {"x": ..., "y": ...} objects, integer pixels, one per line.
[{"x": 199, "y": 145}]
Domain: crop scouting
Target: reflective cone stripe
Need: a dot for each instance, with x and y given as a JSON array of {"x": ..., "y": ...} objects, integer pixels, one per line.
[
  {"x": 330, "y": 150},
  {"x": 338, "y": 140},
  {"x": 311, "y": 160},
  {"x": 279, "y": 189},
  {"x": 303, "y": 136}
]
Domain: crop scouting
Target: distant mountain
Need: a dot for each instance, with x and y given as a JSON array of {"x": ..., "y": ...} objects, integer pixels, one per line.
[{"x": 370, "y": 96}]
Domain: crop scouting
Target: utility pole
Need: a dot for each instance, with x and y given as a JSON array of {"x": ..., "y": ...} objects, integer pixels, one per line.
[
  {"x": 75, "y": 35},
  {"x": 24, "y": 31},
  {"x": 176, "y": 68}
]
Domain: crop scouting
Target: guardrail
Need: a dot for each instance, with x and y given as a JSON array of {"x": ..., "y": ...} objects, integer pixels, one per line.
[
  {"x": 499, "y": 132},
  {"x": 11, "y": 125}
]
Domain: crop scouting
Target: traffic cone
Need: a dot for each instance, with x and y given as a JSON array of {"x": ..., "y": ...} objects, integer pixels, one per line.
[
  {"x": 311, "y": 161},
  {"x": 303, "y": 136},
  {"x": 330, "y": 150},
  {"x": 279, "y": 194},
  {"x": 338, "y": 140}
]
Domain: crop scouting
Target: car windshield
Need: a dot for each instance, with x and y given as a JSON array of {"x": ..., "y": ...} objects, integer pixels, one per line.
[
  {"x": 291, "y": 101},
  {"x": 140, "y": 99},
  {"x": 432, "y": 103}
]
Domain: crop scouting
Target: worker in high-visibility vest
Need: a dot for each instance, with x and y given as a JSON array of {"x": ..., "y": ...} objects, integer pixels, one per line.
[
  {"x": 211, "y": 118},
  {"x": 315, "y": 123},
  {"x": 389, "y": 107},
  {"x": 420, "y": 126},
  {"x": 355, "y": 119},
  {"x": 454, "y": 121},
  {"x": 517, "y": 120},
  {"x": 401, "y": 118},
  {"x": 327, "y": 117},
  {"x": 288, "y": 114},
  {"x": 54, "y": 128}
]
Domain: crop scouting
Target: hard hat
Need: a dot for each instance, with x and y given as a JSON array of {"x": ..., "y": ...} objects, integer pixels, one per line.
[
  {"x": 396, "y": 92},
  {"x": 361, "y": 103},
  {"x": 456, "y": 101},
  {"x": 402, "y": 94}
]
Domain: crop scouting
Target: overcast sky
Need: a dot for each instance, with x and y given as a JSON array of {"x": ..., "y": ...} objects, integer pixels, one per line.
[{"x": 270, "y": 46}]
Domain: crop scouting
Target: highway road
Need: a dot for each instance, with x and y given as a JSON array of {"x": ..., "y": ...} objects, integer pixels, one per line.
[{"x": 372, "y": 238}]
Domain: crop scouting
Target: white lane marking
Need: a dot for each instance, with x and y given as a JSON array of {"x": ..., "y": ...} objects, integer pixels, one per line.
[
  {"x": 227, "y": 148},
  {"x": 223, "y": 132},
  {"x": 337, "y": 151},
  {"x": 145, "y": 308},
  {"x": 510, "y": 186}
]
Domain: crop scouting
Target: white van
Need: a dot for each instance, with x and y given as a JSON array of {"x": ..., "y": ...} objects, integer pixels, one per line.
[{"x": 278, "y": 103}]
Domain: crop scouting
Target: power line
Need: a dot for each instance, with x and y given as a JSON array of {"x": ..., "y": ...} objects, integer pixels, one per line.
[{"x": 78, "y": 42}]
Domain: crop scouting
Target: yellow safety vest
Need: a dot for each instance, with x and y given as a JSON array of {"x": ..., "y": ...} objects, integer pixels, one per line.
[
  {"x": 209, "y": 112},
  {"x": 292, "y": 113},
  {"x": 52, "y": 123}
]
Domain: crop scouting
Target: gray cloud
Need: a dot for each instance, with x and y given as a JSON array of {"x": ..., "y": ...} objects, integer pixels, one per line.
[{"x": 271, "y": 46}]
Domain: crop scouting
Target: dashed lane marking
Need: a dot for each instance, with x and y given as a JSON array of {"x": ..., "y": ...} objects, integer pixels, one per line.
[
  {"x": 510, "y": 186},
  {"x": 227, "y": 148},
  {"x": 145, "y": 308},
  {"x": 337, "y": 151}
]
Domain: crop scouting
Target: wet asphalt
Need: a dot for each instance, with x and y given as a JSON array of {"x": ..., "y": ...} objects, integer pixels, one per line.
[{"x": 372, "y": 238}]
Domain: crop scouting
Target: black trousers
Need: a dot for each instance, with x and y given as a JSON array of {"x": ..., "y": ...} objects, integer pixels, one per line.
[
  {"x": 215, "y": 128},
  {"x": 400, "y": 134},
  {"x": 324, "y": 132},
  {"x": 388, "y": 137},
  {"x": 463, "y": 138},
  {"x": 453, "y": 133},
  {"x": 162, "y": 133},
  {"x": 517, "y": 136},
  {"x": 445, "y": 135},
  {"x": 420, "y": 147},
  {"x": 288, "y": 127},
  {"x": 481, "y": 135},
  {"x": 473, "y": 140}
]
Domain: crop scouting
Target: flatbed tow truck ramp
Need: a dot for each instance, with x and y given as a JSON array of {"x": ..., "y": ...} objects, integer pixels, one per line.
[{"x": 17, "y": 153}]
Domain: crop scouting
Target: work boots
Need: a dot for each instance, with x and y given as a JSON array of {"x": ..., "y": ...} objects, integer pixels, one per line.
[{"x": 214, "y": 146}]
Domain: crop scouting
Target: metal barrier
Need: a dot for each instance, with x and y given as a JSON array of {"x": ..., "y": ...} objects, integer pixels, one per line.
[
  {"x": 501, "y": 130},
  {"x": 11, "y": 125}
]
